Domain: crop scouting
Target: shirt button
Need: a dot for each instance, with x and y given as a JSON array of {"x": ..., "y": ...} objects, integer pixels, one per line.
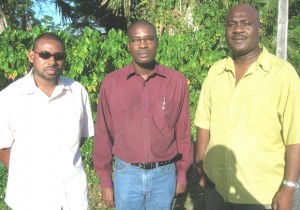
[
  {"x": 145, "y": 119},
  {"x": 149, "y": 156},
  {"x": 229, "y": 167},
  {"x": 147, "y": 138}
]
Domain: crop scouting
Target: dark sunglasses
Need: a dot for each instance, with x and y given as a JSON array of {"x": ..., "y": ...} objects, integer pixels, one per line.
[{"x": 57, "y": 56}]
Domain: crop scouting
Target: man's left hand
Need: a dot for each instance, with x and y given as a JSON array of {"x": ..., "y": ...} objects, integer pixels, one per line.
[
  {"x": 284, "y": 199},
  {"x": 180, "y": 189}
]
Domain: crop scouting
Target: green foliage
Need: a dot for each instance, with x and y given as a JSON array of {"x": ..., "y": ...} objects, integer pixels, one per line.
[
  {"x": 92, "y": 56},
  {"x": 3, "y": 175},
  {"x": 13, "y": 60},
  {"x": 18, "y": 13},
  {"x": 294, "y": 41}
]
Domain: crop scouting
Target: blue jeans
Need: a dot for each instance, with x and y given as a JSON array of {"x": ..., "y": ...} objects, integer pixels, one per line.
[{"x": 139, "y": 189}]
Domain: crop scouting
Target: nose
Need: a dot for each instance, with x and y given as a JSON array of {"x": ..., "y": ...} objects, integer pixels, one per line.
[
  {"x": 143, "y": 44},
  {"x": 238, "y": 28},
  {"x": 51, "y": 61}
]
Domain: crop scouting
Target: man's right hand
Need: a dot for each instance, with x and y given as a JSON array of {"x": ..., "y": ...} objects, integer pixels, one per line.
[
  {"x": 200, "y": 174},
  {"x": 4, "y": 156},
  {"x": 203, "y": 179},
  {"x": 107, "y": 195},
  {"x": 205, "y": 182}
]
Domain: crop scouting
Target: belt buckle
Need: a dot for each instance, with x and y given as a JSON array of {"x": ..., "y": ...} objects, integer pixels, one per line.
[{"x": 146, "y": 165}]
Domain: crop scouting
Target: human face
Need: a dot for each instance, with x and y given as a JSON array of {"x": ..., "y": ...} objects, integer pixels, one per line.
[
  {"x": 142, "y": 44},
  {"x": 47, "y": 69},
  {"x": 243, "y": 30}
]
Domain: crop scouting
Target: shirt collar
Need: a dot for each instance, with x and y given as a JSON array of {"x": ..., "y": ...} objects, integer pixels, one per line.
[
  {"x": 32, "y": 88},
  {"x": 63, "y": 84},
  {"x": 158, "y": 70},
  {"x": 261, "y": 62},
  {"x": 229, "y": 66}
]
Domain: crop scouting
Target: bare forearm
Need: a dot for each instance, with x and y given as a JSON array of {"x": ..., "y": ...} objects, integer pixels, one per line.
[
  {"x": 4, "y": 156},
  {"x": 202, "y": 140},
  {"x": 292, "y": 162},
  {"x": 284, "y": 198}
]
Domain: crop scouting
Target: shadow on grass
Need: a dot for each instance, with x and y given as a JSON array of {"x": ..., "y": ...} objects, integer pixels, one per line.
[{"x": 193, "y": 198}]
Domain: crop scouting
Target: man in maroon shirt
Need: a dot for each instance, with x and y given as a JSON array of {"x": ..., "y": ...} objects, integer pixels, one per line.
[{"x": 143, "y": 120}]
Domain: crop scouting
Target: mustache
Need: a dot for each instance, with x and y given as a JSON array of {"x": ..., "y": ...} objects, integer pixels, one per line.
[
  {"x": 143, "y": 52},
  {"x": 238, "y": 37},
  {"x": 53, "y": 67}
]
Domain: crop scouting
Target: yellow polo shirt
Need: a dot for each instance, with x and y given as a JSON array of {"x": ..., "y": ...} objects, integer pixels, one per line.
[{"x": 249, "y": 124}]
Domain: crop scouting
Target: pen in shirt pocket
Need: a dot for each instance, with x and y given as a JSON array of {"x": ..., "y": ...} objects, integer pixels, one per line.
[{"x": 163, "y": 104}]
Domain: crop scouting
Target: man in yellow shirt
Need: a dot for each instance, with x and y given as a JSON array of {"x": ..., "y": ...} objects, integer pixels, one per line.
[{"x": 248, "y": 120}]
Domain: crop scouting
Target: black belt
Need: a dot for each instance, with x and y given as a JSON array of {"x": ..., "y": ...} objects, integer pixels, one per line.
[{"x": 157, "y": 164}]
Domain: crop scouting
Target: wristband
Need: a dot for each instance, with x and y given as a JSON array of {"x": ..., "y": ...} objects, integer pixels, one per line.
[{"x": 291, "y": 184}]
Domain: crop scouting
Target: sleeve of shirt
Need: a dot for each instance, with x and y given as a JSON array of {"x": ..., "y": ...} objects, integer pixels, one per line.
[
  {"x": 88, "y": 124},
  {"x": 102, "y": 153},
  {"x": 202, "y": 115},
  {"x": 6, "y": 133},
  {"x": 291, "y": 113},
  {"x": 183, "y": 136}
]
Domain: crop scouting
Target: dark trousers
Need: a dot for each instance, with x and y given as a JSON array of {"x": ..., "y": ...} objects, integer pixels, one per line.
[{"x": 214, "y": 201}]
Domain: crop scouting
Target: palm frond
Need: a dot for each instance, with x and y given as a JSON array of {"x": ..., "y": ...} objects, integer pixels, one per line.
[{"x": 64, "y": 9}]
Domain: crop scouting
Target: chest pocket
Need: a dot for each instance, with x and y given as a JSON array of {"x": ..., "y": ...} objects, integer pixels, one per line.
[{"x": 164, "y": 115}]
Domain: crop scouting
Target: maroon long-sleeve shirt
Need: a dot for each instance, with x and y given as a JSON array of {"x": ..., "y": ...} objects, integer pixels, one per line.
[{"x": 142, "y": 120}]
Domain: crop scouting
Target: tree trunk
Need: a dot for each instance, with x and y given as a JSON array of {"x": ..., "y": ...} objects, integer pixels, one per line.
[
  {"x": 3, "y": 23},
  {"x": 283, "y": 12}
]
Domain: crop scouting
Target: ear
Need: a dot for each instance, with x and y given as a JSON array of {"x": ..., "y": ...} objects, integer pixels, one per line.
[
  {"x": 128, "y": 46},
  {"x": 30, "y": 56},
  {"x": 260, "y": 30}
]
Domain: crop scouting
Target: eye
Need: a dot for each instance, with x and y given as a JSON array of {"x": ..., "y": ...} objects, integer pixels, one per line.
[
  {"x": 150, "y": 39},
  {"x": 59, "y": 56},
  {"x": 230, "y": 24},
  {"x": 135, "y": 40},
  {"x": 44, "y": 55}
]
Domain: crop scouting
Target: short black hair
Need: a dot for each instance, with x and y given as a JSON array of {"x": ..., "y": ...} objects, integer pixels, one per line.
[
  {"x": 48, "y": 35},
  {"x": 253, "y": 8},
  {"x": 140, "y": 22}
]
